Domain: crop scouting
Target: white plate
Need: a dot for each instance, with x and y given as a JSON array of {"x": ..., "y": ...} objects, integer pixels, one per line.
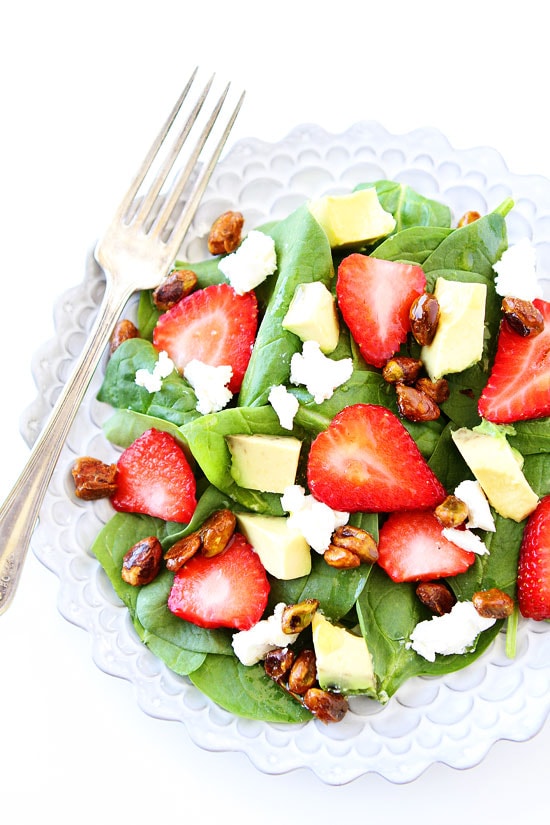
[{"x": 453, "y": 719}]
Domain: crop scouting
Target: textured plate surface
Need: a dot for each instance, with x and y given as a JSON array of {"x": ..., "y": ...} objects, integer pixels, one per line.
[{"x": 454, "y": 719}]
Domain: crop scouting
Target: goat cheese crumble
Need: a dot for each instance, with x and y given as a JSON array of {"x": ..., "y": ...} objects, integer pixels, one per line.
[
  {"x": 152, "y": 381},
  {"x": 479, "y": 511},
  {"x": 516, "y": 272},
  {"x": 285, "y": 405},
  {"x": 319, "y": 374},
  {"x": 253, "y": 645},
  {"x": 210, "y": 385},
  {"x": 313, "y": 519},
  {"x": 251, "y": 263},
  {"x": 453, "y": 632},
  {"x": 466, "y": 540}
]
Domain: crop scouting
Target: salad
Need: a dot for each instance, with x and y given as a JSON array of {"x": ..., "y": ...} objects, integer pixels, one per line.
[{"x": 166, "y": 422}]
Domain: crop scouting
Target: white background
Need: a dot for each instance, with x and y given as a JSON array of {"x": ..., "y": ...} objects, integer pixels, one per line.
[{"x": 84, "y": 87}]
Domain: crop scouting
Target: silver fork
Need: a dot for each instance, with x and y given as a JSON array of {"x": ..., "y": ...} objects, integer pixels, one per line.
[{"x": 136, "y": 252}]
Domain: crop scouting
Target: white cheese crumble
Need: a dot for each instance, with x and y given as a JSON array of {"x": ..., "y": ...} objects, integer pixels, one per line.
[
  {"x": 479, "y": 511},
  {"x": 285, "y": 405},
  {"x": 315, "y": 520},
  {"x": 152, "y": 381},
  {"x": 516, "y": 272},
  {"x": 466, "y": 540},
  {"x": 253, "y": 645},
  {"x": 454, "y": 632},
  {"x": 251, "y": 263},
  {"x": 210, "y": 385},
  {"x": 319, "y": 374}
]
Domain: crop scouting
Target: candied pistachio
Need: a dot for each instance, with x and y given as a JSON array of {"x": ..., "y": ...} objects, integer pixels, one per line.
[
  {"x": 522, "y": 316},
  {"x": 225, "y": 233},
  {"x": 177, "y": 285},
  {"x": 296, "y": 617},
  {"x": 141, "y": 564},
  {"x": 341, "y": 557},
  {"x": 278, "y": 662},
  {"x": 182, "y": 551},
  {"x": 357, "y": 541},
  {"x": 325, "y": 705},
  {"x": 216, "y": 532},
  {"x": 436, "y": 596},
  {"x": 437, "y": 390},
  {"x": 303, "y": 673},
  {"x": 424, "y": 318},
  {"x": 401, "y": 368},
  {"x": 468, "y": 217},
  {"x": 93, "y": 478},
  {"x": 415, "y": 405},
  {"x": 123, "y": 331},
  {"x": 493, "y": 603},
  {"x": 451, "y": 512}
]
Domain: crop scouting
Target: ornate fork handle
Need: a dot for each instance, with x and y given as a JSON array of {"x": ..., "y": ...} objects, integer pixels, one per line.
[{"x": 19, "y": 512}]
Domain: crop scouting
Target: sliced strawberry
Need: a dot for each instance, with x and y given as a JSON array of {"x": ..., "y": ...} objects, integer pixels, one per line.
[
  {"x": 519, "y": 384},
  {"x": 213, "y": 325},
  {"x": 411, "y": 547},
  {"x": 375, "y": 297},
  {"x": 367, "y": 461},
  {"x": 154, "y": 477},
  {"x": 533, "y": 580},
  {"x": 227, "y": 590}
]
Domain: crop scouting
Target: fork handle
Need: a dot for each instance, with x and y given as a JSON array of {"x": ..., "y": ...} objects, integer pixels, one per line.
[{"x": 20, "y": 510}]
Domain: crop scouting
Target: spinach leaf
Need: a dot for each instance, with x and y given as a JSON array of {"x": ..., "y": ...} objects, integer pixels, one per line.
[
  {"x": 408, "y": 207},
  {"x": 474, "y": 247},
  {"x": 124, "y": 426},
  {"x": 120, "y": 533},
  {"x": 531, "y": 437},
  {"x": 337, "y": 590},
  {"x": 413, "y": 245},
  {"x": 388, "y": 613},
  {"x": 175, "y": 401},
  {"x": 246, "y": 691},
  {"x": 303, "y": 255},
  {"x": 182, "y": 662}
]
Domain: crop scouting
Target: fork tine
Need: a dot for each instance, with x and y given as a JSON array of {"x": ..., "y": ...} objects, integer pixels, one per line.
[
  {"x": 148, "y": 201},
  {"x": 183, "y": 221},
  {"x": 153, "y": 151}
]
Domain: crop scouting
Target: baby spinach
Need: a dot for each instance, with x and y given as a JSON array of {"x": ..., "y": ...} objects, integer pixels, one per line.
[
  {"x": 124, "y": 426},
  {"x": 175, "y": 401},
  {"x": 303, "y": 255},
  {"x": 246, "y": 691},
  {"x": 388, "y": 613},
  {"x": 409, "y": 207},
  {"x": 337, "y": 590}
]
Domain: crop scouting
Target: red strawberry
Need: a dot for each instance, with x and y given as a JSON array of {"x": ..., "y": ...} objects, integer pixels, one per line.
[
  {"x": 411, "y": 547},
  {"x": 154, "y": 477},
  {"x": 367, "y": 461},
  {"x": 534, "y": 564},
  {"x": 374, "y": 297},
  {"x": 519, "y": 384},
  {"x": 227, "y": 590},
  {"x": 213, "y": 325}
]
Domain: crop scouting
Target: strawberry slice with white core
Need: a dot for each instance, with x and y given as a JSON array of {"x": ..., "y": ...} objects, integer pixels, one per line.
[
  {"x": 519, "y": 383},
  {"x": 213, "y": 325},
  {"x": 227, "y": 590},
  {"x": 375, "y": 297},
  {"x": 367, "y": 461},
  {"x": 154, "y": 478},
  {"x": 534, "y": 564},
  {"x": 412, "y": 547}
]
